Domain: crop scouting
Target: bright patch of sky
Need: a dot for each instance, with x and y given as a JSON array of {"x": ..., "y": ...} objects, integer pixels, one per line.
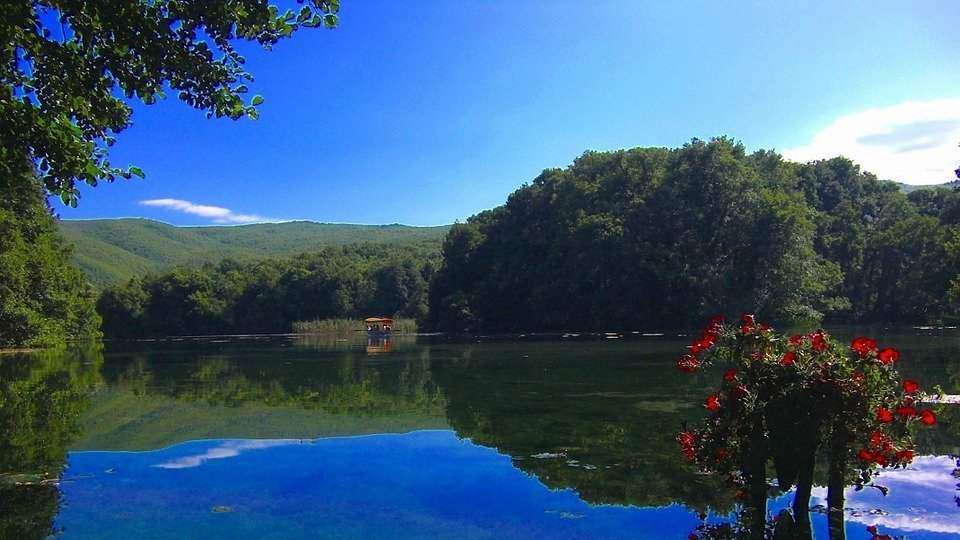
[
  {"x": 916, "y": 141},
  {"x": 428, "y": 112},
  {"x": 920, "y": 499}
]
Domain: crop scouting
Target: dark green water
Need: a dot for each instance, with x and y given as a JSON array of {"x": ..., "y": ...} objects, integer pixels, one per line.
[{"x": 530, "y": 436}]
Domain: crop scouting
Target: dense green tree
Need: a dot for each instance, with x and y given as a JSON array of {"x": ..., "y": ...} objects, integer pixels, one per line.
[
  {"x": 68, "y": 69},
  {"x": 941, "y": 203},
  {"x": 269, "y": 295},
  {"x": 654, "y": 237},
  {"x": 44, "y": 301},
  {"x": 648, "y": 236}
]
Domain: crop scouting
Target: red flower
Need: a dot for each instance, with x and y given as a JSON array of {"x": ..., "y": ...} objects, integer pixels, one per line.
[
  {"x": 721, "y": 455},
  {"x": 716, "y": 324},
  {"x": 789, "y": 359},
  {"x": 884, "y": 415},
  {"x": 713, "y": 402},
  {"x": 748, "y": 319},
  {"x": 928, "y": 418},
  {"x": 881, "y": 459},
  {"x": 707, "y": 339},
  {"x": 740, "y": 391},
  {"x": 905, "y": 456},
  {"x": 687, "y": 440},
  {"x": 859, "y": 379},
  {"x": 872, "y": 529},
  {"x": 906, "y": 411},
  {"x": 688, "y": 363},
  {"x": 796, "y": 339},
  {"x": 730, "y": 375},
  {"x": 864, "y": 346},
  {"x": 888, "y": 355},
  {"x": 864, "y": 455},
  {"x": 819, "y": 343},
  {"x": 910, "y": 386},
  {"x": 692, "y": 536},
  {"x": 764, "y": 328},
  {"x": 877, "y": 439}
]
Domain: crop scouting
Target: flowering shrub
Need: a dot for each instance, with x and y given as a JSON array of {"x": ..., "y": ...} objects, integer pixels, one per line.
[{"x": 791, "y": 399}]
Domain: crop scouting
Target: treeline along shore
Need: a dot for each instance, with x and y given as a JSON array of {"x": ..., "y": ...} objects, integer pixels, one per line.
[
  {"x": 658, "y": 237},
  {"x": 647, "y": 238}
]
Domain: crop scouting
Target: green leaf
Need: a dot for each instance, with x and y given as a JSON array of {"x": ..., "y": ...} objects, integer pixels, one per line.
[
  {"x": 258, "y": 99},
  {"x": 136, "y": 171},
  {"x": 330, "y": 20},
  {"x": 304, "y": 14},
  {"x": 242, "y": 89}
]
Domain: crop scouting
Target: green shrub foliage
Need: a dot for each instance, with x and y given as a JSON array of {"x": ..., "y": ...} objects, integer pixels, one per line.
[{"x": 44, "y": 300}]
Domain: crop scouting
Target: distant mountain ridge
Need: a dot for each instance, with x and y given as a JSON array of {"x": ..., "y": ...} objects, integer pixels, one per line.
[
  {"x": 114, "y": 250},
  {"x": 907, "y": 188}
]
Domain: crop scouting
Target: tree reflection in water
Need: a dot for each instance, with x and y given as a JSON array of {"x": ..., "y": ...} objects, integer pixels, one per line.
[
  {"x": 42, "y": 396},
  {"x": 597, "y": 419}
]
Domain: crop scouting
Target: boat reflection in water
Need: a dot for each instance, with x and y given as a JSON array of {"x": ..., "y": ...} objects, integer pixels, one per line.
[{"x": 379, "y": 346}]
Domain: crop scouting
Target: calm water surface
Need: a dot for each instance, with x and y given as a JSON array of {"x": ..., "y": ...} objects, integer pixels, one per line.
[{"x": 530, "y": 437}]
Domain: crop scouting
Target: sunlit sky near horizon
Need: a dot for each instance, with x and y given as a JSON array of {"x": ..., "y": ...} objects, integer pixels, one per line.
[{"x": 424, "y": 113}]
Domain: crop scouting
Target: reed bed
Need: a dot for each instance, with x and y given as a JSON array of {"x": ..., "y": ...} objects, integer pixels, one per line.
[{"x": 343, "y": 326}]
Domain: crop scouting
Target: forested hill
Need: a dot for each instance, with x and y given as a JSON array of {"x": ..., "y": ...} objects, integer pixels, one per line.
[
  {"x": 660, "y": 237},
  {"x": 114, "y": 250}
]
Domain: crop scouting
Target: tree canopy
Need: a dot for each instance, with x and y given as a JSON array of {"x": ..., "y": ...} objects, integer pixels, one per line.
[
  {"x": 656, "y": 237},
  {"x": 269, "y": 295},
  {"x": 70, "y": 68},
  {"x": 43, "y": 298}
]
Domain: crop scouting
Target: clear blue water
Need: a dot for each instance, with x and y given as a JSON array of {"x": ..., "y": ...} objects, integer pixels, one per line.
[
  {"x": 425, "y": 484},
  {"x": 256, "y": 437}
]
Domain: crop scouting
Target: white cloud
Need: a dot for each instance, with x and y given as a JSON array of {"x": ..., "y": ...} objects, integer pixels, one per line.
[
  {"x": 216, "y": 213},
  {"x": 914, "y": 142},
  {"x": 228, "y": 449},
  {"x": 921, "y": 498}
]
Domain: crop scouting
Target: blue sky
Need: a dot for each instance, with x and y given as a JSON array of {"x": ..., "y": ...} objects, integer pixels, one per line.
[{"x": 424, "y": 113}]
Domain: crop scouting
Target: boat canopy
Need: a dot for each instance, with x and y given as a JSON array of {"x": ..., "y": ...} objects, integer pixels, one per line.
[{"x": 378, "y": 320}]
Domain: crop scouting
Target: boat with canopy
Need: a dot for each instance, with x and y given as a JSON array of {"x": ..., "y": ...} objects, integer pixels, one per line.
[{"x": 379, "y": 327}]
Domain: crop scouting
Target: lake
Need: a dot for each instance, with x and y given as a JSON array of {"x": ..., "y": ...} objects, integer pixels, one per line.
[{"x": 495, "y": 437}]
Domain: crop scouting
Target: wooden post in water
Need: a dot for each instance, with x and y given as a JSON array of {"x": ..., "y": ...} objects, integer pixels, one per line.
[
  {"x": 835, "y": 480},
  {"x": 756, "y": 479},
  {"x": 801, "y": 499}
]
